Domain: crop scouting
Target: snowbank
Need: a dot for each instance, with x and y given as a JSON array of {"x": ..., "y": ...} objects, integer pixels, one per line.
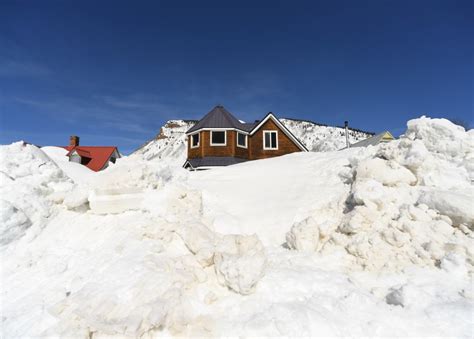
[
  {"x": 398, "y": 210},
  {"x": 267, "y": 197},
  {"x": 77, "y": 172},
  {"x": 402, "y": 203},
  {"x": 30, "y": 184},
  {"x": 361, "y": 242}
]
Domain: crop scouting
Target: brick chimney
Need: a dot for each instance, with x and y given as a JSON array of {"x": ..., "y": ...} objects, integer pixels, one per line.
[{"x": 73, "y": 140}]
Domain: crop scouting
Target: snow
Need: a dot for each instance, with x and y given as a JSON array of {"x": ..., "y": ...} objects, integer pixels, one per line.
[
  {"x": 30, "y": 184},
  {"x": 240, "y": 262},
  {"x": 77, "y": 172},
  {"x": 359, "y": 242},
  {"x": 248, "y": 198},
  {"x": 170, "y": 143},
  {"x": 321, "y": 138}
]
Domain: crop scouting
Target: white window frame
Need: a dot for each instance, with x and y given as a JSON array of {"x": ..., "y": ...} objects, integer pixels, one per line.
[
  {"x": 199, "y": 140},
  {"x": 270, "y": 132},
  {"x": 237, "y": 140},
  {"x": 225, "y": 138}
]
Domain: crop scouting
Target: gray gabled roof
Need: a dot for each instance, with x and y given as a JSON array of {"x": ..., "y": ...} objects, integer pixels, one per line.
[
  {"x": 248, "y": 126},
  {"x": 218, "y": 117},
  {"x": 213, "y": 161},
  {"x": 375, "y": 140}
]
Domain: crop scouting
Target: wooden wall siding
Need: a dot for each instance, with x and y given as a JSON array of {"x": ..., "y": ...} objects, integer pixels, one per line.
[
  {"x": 285, "y": 144},
  {"x": 254, "y": 148},
  {"x": 218, "y": 151},
  {"x": 239, "y": 151},
  {"x": 195, "y": 152}
]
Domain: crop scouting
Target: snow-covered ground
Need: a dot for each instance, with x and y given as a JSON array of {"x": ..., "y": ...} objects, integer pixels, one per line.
[{"x": 360, "y": 242}]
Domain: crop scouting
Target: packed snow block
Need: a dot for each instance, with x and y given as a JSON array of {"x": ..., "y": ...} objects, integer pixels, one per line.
[
  {"x": 304, "y": 235},
  {"x": 13, "y": 222},
  {"x": 389, "y": 173},
  {"x": 200, "y": 240},
  {"x": 409, "y": 153},
  {"x": 240, "y": 262},
  {"x": 77, "y": 199},
  {"x": 105, "y": 201},
  {"x": 369, "y": 192},
  {"x": 361, "y": 217},
  {"x": 457, "y": 205}
]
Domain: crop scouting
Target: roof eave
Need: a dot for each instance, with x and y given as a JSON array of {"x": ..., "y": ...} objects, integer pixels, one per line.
[
  {"x": 282, "y": 127},
  {"x": 216, "y": 129}
]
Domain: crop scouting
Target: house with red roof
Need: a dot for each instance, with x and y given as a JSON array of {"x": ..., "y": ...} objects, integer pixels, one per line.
[{"x": 96, "y": 158}]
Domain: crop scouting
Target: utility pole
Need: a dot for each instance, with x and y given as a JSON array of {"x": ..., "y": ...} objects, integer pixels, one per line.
[{"x": 346, "y": 126}]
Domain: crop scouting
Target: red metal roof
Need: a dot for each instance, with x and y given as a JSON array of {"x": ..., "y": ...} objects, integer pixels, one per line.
[{"x": 99, "y": 155}]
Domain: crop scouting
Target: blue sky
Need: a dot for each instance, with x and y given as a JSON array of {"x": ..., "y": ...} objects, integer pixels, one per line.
[{"x": 113, "y": 72}]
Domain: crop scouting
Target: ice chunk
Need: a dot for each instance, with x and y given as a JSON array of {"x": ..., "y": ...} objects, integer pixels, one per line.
[
  {"x": 389, "y": 173},
  {"x": 304, "y": 235},
  {"x": 240, "y": 262},
  {"x": 105, "y": 201},
  {"x": 458, "y": 205},
  {"x": 200, "y": 240}
]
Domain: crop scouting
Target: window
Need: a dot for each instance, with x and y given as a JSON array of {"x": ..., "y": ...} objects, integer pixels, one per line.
[
  {"x": 218, "y": 138},
  {"x": 241, "y": 140},
  {"x": 195, "y": 140},
  {"x": 74, "y": 157},
  {"x": 85, "y": 161},
  {"x": 270, "y": 139}
]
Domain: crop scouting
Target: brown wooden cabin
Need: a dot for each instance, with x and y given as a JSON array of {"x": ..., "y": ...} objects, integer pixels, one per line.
[{"x": 220, "y": 139}]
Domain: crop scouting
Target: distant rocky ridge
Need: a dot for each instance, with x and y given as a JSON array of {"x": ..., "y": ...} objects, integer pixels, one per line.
[{"x": 171, "y": 140}]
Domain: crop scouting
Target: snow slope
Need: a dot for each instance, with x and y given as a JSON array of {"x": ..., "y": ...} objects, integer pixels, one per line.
[
  {"x": 265, "y": 196},
  {"x": 361, "y": 242},
  {"x": 322, "y": 138},
  {"x": 171, "y": 141},
  {"x": 30, "y": 184},
  {"x": 77, "y": 172}
]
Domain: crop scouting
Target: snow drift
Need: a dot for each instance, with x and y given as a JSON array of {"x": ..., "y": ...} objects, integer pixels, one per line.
[
  {"x": 397, "y": 211},
  {"x": 30, "y": 185},
  {"x": 360, "y": 242}
]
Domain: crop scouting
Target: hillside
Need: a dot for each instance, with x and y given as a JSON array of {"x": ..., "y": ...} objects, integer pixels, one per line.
[
  {"x": 171, "y": 140},
  {"x": 169, "y": 143},
  {"x": 361, "y": 242},
  {"x": 322, "y": 138}
]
